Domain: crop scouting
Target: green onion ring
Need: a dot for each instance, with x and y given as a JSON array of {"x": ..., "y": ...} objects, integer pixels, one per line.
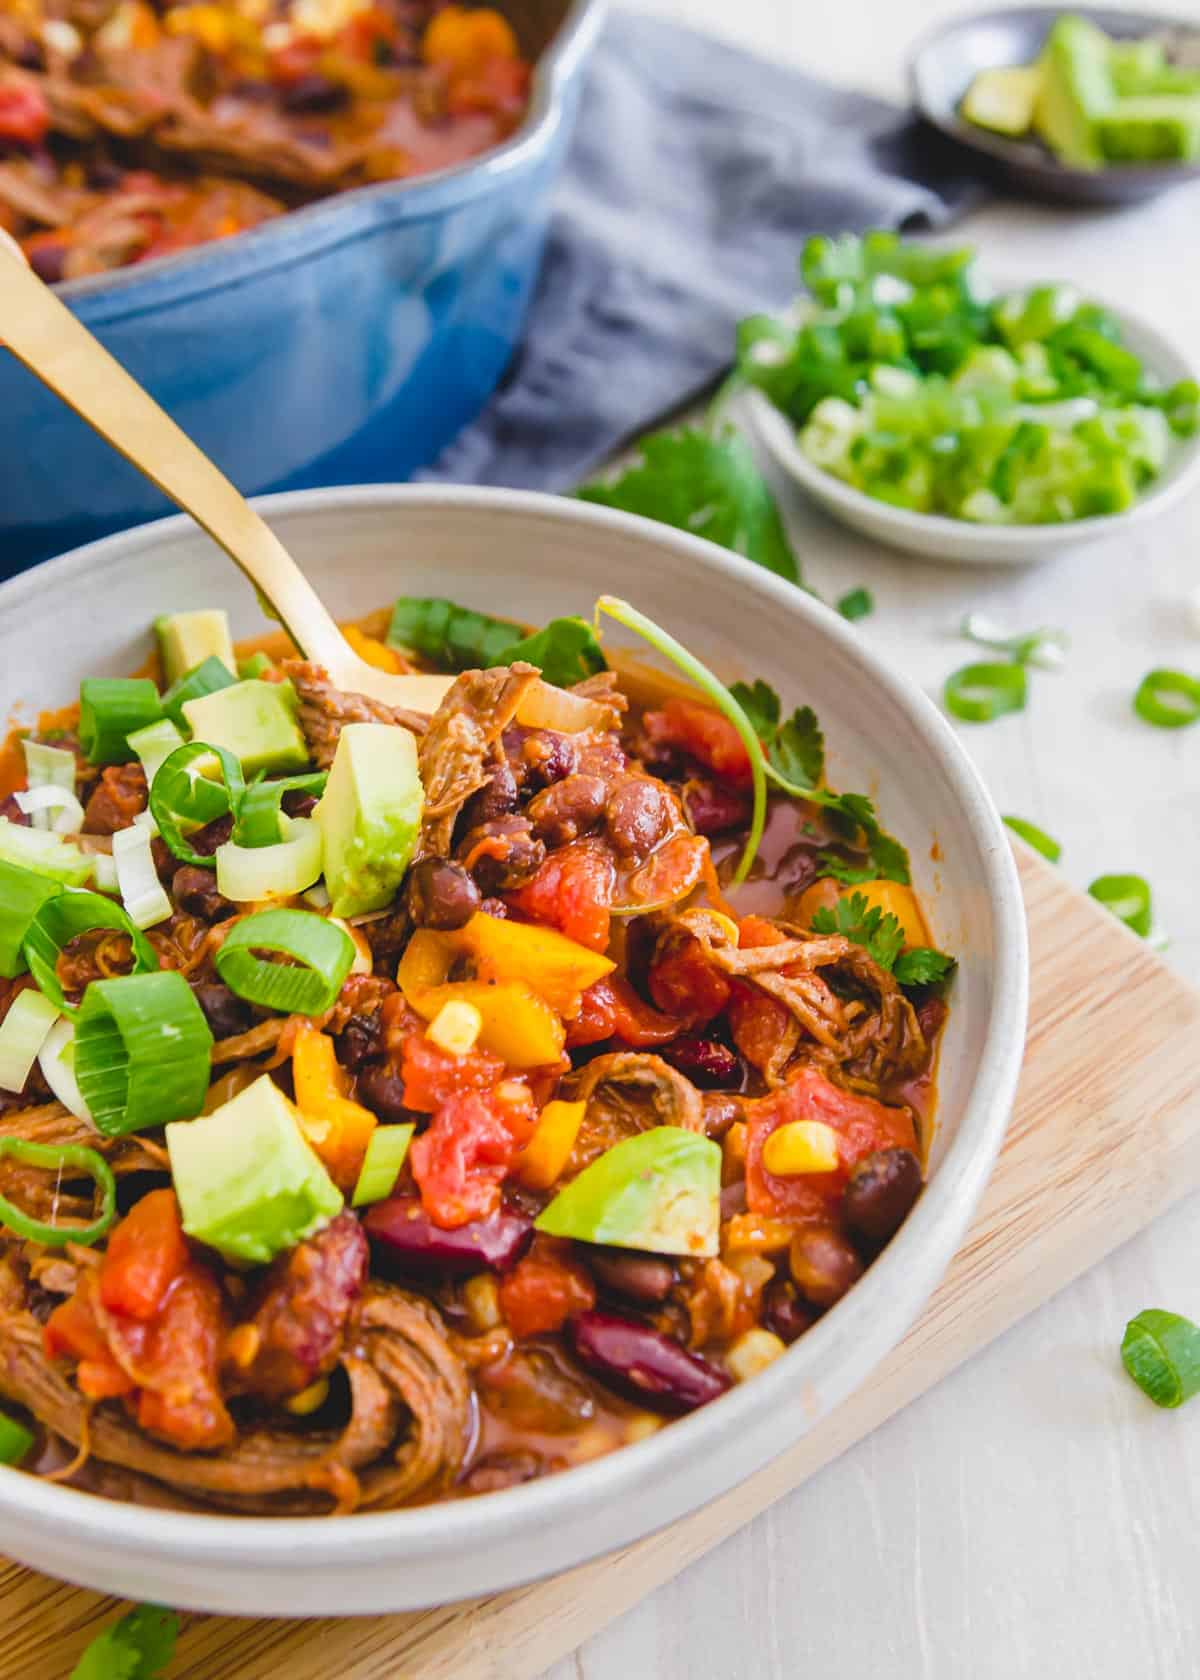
[
  {"x": 258, "y": 811},
  {"x": 16, "y": 1441},
  {"x": 64, "y": 917},
  {"x": 181, "y": 795},
  {"x": 54, "y": 1157},
  {"x": 143, "y": 1052},
  {"x": 1168, "y": 699},
  {"x": 980, "y": 693},
  {"x": 1035, "y": 837},
  {"x": 110, "y": 709},
  {"x": 1128, "y": 897},
  {"x": 325, "y": 951},
  {"x": 1161, "y": 1352}
]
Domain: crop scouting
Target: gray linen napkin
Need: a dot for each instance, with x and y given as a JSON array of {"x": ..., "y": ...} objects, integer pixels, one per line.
[{"x": 695, "y": 175}]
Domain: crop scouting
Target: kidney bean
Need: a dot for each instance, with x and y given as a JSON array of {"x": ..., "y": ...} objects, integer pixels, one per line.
[
  {"x": 206, "y": 840},
  {"x": 227, "y": 1015},
  {"x": 441, "y": 894},
  {"x": 713, "y": 809},
  {"x": 823, "y": 1264},
  {"x": 569, "y": 808},
  {"x": 359, "y": 1040},
  {"x": 382, "y": 1091},
  {"x": 504, "y": 853},
  {"x": 298, "y": 804},
  {"x": 647, "y": 1278},
  {"x": 881, "y": 1193},
  {"x": 500, "y": 798},
  {"x": 706, "y": 1061},
  {"x": 639, "y": 813},
  {"x": 301, "y": 1307},
  {"x": 196, "y": 892},
  {"x": 720, "y": 1112},
  {"x": 644, "y": 1365},
  {"x": 539, "y": 757},
  {"x": 404, "y": 1234},
  {"x": 315, "y": 92},
  {"x": 784, "y": 1312}
]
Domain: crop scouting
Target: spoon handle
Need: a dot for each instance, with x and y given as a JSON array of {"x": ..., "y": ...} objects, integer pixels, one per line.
[{"x": 59, "y": 350}]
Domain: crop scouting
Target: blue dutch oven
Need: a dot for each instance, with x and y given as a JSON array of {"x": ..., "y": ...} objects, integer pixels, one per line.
[{"x": 346, "y": 342}]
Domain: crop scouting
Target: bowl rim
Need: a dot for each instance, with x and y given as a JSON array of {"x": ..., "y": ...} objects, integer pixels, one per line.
[
  {"x": 925, "y": 1243},
  {"x": 779, "y": 435},
  {"x": 1032, "y": 160}
]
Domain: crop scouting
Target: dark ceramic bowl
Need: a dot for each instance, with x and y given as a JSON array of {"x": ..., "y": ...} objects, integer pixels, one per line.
[{"x": 946, "y": 61}]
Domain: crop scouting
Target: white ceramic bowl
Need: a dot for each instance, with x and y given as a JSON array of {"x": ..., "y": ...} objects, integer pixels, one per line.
[
  {"x": 936, "y": 537},
  {"x": 533, "y": 556}
]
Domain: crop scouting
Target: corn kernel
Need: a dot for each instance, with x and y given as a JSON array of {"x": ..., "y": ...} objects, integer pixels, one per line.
[
  {"x": 754, "y": 1272},
  {"x": 482, "y": 1301},
  {"x": 642, "y": 1426},
  {"x": 309, "y": 1399},
  {"x": 456, "y": 1027},
  {"x": 242, "y": 1345},
  {"x": 801, "y": 1146},
  {"x": 753, "y": 1351},
  {"x": 756, "y": 1233}
]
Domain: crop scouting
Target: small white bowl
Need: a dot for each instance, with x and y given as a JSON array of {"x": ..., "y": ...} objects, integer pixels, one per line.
[
  {"x": 937, "y": 537},
  {"x": 532, "y": 556}
]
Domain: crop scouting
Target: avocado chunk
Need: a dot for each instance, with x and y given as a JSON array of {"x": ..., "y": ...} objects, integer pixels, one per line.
[
  {"x": 370, "y": 816},
  {"x": 1136, "y": 65},
  {"x": 255, "y": 721},
  {"x": 187, "y": 639},
  {"x": 1075, "y": 90},
  {"x": 1003, "y": 99},
  {"x": 247, "y": 1181},
  {"x": 659, "y": 1191},
  {"x": 1153, "y": 129}
]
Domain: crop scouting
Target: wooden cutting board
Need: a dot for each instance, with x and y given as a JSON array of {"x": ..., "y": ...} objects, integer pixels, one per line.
[{"x": 1095, "y": 1151}]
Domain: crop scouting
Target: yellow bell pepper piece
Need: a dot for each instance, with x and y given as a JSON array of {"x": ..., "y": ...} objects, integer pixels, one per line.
[
  {"x": 801, "y": 1146},
  {"x": 518, "y": 1026},
  {"x": 374, "y": 652},
  {"x": 543, "y": 1158},
  {"x": 895, "y": 900},
  {"x": 464, "y": 40},
  {"x": 427, "y": 961},
  {"x": 557, "y": 968},
  {"x": 337, "y": 1128}
]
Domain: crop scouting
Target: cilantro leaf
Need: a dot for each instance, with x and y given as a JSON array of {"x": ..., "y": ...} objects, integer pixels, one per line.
[
  {"x": 565, "y": 652},
  {"x": 795, "y": 748},
  {"x": 706, "y": 484},
  {"x": 856, "y": 604},
  {"x": 882, "y": 937},
  {"x": 885, "y": 854},
  {"x": 829, "y": 864},
  {"x": 457, "y": 638},
  {"x": 761, "y": 706},
  {"x": 923, "y": 966},
  {"x": 138, "y": 1647}
]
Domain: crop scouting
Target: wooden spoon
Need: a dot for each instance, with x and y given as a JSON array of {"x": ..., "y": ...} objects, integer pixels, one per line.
[{"x": 58, "y": 349}]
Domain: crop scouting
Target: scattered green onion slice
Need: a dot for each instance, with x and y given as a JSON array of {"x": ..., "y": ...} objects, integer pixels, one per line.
[
  {"x": 104, "y": 873},
  {"x": 980, "y": 693},
  {"x": 110, "y": 708},
  {"x": 381, "y": 1164},
  {"x": 211, "y": 675},
  {"x": 154, "y": 745},
  {"x": 60, "y": 920},
  {"x": 43, "y": 854},
  {"x": 261, "y": 806},
  {"x": 23, "y": 1032},
  {"x": 1045, "y": 648},
  {"x": 183, "y": 796},
  {"x": 1128, "y": 897},
  {"x": 141, "y": 890},
  {"x": 143, "y": 1052},
  {"x": 257, "y": 666},
  {"x": 721, "y": 698},
  {"x": 57, "y": 1157},
  {"x": 324, "y": 952},
  {"x": 1168, "y": 699},
  {"x": 48, "y": 807},
  {"x": 1035, "y": 837},
  {"x": 1161, "y": 1352},
  {"x": 16, "y": 1442},
  {"x": 22, "y": 894},
  {"x": 48, "y": 767},
  {"x": 57, "y": 1062},
  {"x": 249, "y": 874},
  {"x": 856, "y": 604}
]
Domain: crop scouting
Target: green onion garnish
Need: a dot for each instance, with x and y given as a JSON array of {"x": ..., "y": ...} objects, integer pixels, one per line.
[
  {"x": 257, "y": 666},
  {"x": 381, "y": 1164},
  {"x": 184, "y": 797},
  {"x": 60, "y": 920},
  {"x": 23, "y": 1032},
  {"x": 143, "y": 1052},
  {"x": 57, "y": 1062},
  {"x": 856, "y": 604},
  {"x": 47, "y": 767},
  {"x": 248, "y": 874},
  {"x": 154, "y": 746},
  {"x": 43, "y": 854},
  {"x": 980, "y": 693},
  {"x": 324, "y": 952},
  {"x": 22, "y": 894},
  {"x": 1045, "y": 648},
  {"x": 1168, "y": 699},
  {"x": 259, "y": 808},
  {"x": 208, "y": 677},
  {"x": 1161, "y": 1352},
  {"x": 1128, "y": 897},
  {"x": 109, "y": 709},
  {"x": 1035, "y": 837},
  {"x": 721, "y": 698},
  {"x": 141, "y": 891},
  {"x": 56, "y": 1158},
  {"x": 16, "y": 1442}
]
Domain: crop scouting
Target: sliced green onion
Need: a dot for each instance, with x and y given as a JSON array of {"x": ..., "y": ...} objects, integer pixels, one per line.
[
  {"x": 261, "y": 806},
  {"x": 980, "y": 693},
  {"x": 183, "y": 797},
  {"x": 254, "y": 668},
  {"x": 381, "y": 1164},
  {"x": 57, "y": 1157},
  {"x": 23, "y": 1032},
  {"x": 62, "y": 919},
  {"x": 1128, "y": 897},
  {"x": 1161, "y": 1352},
  {"x": 324, "y": 952},
  {"x": 54, "y": 808},
  {"x": 57, "y": 1062},
  {"x": 143, "y": 1052},
  {"x": 104, "y": 873},
  {"x": 48, "y": 767},
  {"x": 109, "y": 709},
  {"x": 856, "y": 604},
  {"x": 1168, "y": 699},
  {"x": 22, "y": 894},
  {"x": 721, "y": 698},
  {"x": 248, "y": 874},
  {"x": 317, "y": 897},
  {"x": 154, "y": 746},
  {"x": 211, "y": 675},
  {"x": 1045, "y": 648},
  {"x": 43, "y": 854},
  {"x": 1035, "y": 837},
  {"x": 16, "y": 1442},
  {"x": 141, "y": 890}
]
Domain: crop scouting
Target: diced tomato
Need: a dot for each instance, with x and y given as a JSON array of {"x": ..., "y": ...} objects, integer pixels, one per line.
[
  {"x": 612, "y": 1009},
  {"x": 433, "y": 1076},
  {"x": 685, "y": 984},
  {"x": 72, "y": 1333},
  {"x": 704, "y": 735},
  {"x": 756, "y": 931},
  {"x": 24, "y": 114},
  {"x": 145, "y": 1254},
  {"x": 299, "y": 58},
  {"x": 862, "y": 1124},
  {"x": 544, "y": 1290},
  {"x": 460, "y": 1162},
  {"x": 759, "y": 1024},
  {"x": 180, "y": 1400},
  {"x": 499, "y": 84},
  {"x": 572, "y": 891}
]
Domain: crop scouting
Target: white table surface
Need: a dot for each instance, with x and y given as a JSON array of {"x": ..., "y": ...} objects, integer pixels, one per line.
[{"x": 1033, "y": 1515}]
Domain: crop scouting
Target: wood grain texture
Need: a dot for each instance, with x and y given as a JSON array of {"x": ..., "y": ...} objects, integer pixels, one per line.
[{"x": 1093, "y": 1153}]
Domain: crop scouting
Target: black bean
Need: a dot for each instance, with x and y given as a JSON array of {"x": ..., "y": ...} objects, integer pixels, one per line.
[
  {"x": 359, "y": 1040},
  {"x": 226, "y": 1014},
  {"x": 441, "y": 894},
  {"x": 823, "y": 1264},
  {"x": 315, "y": 93},
  {"x": 196, "y": 892},
  {"x": 206, "y": 840},
  {"x": 500, "y": 798},
  {"x": 784, "y": 1312},
  {"x": 646, "y": 1278},
  {"x": 881, "y": 1193},
  {"x": 504, "y": 854},
  {"x": 382, "y": 1092}
]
